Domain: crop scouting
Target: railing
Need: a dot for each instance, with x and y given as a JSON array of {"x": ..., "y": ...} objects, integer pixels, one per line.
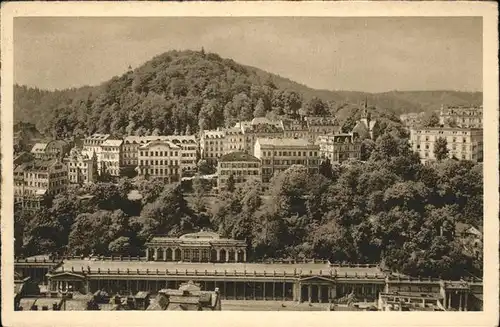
[{"x": 223, "y": 273}]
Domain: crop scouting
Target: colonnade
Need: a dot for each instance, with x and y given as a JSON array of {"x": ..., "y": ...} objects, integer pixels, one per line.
[
  {"x": 277, "y": 290},
  {"x": 204, "y": 254},
  {"x": 458, "y": 300}
]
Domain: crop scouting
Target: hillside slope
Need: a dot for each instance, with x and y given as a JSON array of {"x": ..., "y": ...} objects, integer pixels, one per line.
[{"x": 181, "y": 91}]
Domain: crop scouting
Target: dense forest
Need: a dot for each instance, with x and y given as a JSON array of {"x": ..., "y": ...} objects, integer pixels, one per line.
[
  {"x": 391, "y": 209},
  {"x": 187, "y": 90}
]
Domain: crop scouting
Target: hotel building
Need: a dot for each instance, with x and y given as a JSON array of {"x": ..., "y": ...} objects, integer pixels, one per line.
[
  {"x": 242, "y": 166},
  {"x": 340, "y": 147},
  {"x": 82, "y": 166},
  {"x": 234, "y": 140},
  {"x": 50, "y": 150},
  {"x": 38, "y": 179},
  {"x": 295, "y": 129},
  {"x": 462, "y": 143},
  {"x": 321, "y": 125},
  {"x": 212, "y": 144},
  {"x": 278, "y": 155},
  {"x": 187, "y": 143},
  {"x": 110, "y": 160},
  {"x": 160, "y": 159},
  {"x": 92, "y": 144},
  {"x": 461, "y": 116}
]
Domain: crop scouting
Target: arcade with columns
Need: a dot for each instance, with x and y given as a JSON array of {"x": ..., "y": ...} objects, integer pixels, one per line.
[{"x": 196, "y": 247}]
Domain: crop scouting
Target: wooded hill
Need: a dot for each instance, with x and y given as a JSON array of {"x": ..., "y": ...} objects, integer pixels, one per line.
[{"x": 181, "y": 90}]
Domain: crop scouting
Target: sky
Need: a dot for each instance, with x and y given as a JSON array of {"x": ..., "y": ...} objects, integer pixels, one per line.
[{"x": 375, "y": 54}]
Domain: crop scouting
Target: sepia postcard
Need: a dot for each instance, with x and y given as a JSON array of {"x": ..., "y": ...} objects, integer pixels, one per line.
[{"x": 285, "y": 163}]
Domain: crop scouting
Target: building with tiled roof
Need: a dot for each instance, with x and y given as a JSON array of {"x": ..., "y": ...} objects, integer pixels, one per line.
[
  {"x": 202, "y": 246},
  {"x": 82, "y": 166},
  {"x": 240, "y": 165},
  {"x": 36, "y": 180},
  {"x": 461, "y": 116},
  {"x": 277, "y": 155},
  {"x": 161, "y": 159},
  {"x": 340, "y": 147}
]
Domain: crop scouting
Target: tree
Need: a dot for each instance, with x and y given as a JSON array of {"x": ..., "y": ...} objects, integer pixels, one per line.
[
  {"x": 260, "y": 110},
  {"x": 205, "y": 168},
  {"x": 199, "y": 191},
  {"x": 230, "y": 185},
  {"x": 431, "y": 120},
  {"x": 441, "y": 148},
  {"x": 325, "y": 168}
]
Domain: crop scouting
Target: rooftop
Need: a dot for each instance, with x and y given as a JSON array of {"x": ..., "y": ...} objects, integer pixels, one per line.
[
  {"x": 36, "y": 165},
  {"x": 238, "y": 156},
  {"x": 217, "y": 269},
  {"x": 161, "y": 142},
  {"x": 285, "y": 142},
  {"x": 39, "y": 147},
  {"x": 112, "y": 143},
  {"x": 98, "y": 136}
]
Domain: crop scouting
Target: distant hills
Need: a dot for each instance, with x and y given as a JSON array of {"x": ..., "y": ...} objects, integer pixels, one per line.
[{"x": 181, "y": 91}]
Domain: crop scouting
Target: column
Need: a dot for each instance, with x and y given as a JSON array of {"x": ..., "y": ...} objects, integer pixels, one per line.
[
  {"x": 147, "y": 254},
  {"x": 227, "y": 255},
  {"x": 244, "y": 255},
  {"x": 309, "y": 292},
  {"x": 319, "y": 294},
  {"x": 298, "y": 289},
  {"x": 155, "y": 254},
  {"x": 165, "y": 254},
  {"x": 274, "y": 291},
  {"x": 460, "y": 302},
  {"x": 449, "y": 300},
  {"x": 264, "y": 290},
  {"x": 173, "y": 255},
  {"x": 284, "y": 289},
  {"x": 254, "y": 284},
  {"x": 225, "y": 293},
  {"x": 466, "y": 302},
  {"x": 244, "y": 290},
  {"x": 199, "y": 255},
  {"x": 218, "y": 255}
]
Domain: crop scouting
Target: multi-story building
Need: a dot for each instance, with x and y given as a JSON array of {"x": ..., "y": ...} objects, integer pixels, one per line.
[
  {"x": 36, "y": 180},
  {"x": 261, "y": 128},
  {"x": 242, "y": 166},
  {"x": 92, "y": 144},
  {"x": 160, "y": 159},
  {"x": 188, "y": 144},
  {"x": 340, "y": 147},
  {"x": 189, "y": 150},
  {"x": 321, "y": 125},
  {"x": 82, "y": 166},
  {"x": 50, "y": 150},
  {"x": 461, "y": 116},
  {"x": 234, "y": 140},
  {"x": 295, "y": 129},
  {"x": 277, "y": 155},
  {"x": 212, "y": 144},
  {"x": 110, "y": 160},
  {"x": 462, "y": 143}
]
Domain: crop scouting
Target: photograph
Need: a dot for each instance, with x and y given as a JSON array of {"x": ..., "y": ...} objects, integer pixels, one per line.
[{"x": 248, "y": 163}]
